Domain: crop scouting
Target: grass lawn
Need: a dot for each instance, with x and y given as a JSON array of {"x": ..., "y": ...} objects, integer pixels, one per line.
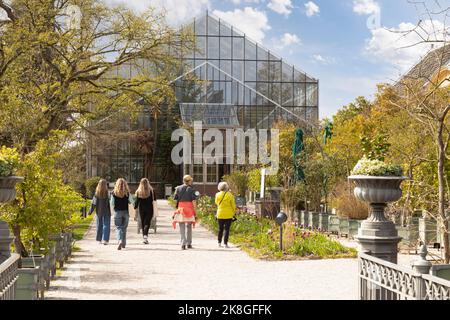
[{"x": 81, "y": 228}]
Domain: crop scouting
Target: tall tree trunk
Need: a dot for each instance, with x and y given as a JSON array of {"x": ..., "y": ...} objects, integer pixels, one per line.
[
  {"x": 442, "y": 184},
  {"x": 19, "y": 248}
]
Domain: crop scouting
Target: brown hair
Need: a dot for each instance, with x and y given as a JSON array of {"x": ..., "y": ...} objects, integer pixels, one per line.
[
  {"x": 144, "y": 190},
  {"x": 102, "y": 189},
  {"x": 121, "y": 188}
]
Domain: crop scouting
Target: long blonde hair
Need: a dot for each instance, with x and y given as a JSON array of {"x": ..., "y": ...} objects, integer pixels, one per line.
[
  {"x": 144, "y": 190},
  {"x": 121, "y": 188},
  {"x": 102, "y": 189}
]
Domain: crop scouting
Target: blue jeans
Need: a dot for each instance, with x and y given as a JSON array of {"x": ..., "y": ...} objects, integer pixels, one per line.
[
  {"x": 103, "y": 227},
  {"x": 121, "y": 219}
]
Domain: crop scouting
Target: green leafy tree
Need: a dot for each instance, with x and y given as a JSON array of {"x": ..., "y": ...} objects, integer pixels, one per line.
[
  {"x": 52, "y": 73},
  {"x": 44, "y": 204}
]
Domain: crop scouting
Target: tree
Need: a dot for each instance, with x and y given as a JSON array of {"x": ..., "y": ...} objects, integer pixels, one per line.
[
  {"x": 425, "y": 97},
  {"x": 55, "y": 75},
  {"x": 44, "y": 203}
]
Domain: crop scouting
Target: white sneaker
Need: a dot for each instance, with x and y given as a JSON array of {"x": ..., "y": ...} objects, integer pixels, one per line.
[
  {"x": 220, "y": 245},
  {"x": 226, "y": 246},
  {"x": 99, "y": 242},
  {"x": 105, "y": 243}
]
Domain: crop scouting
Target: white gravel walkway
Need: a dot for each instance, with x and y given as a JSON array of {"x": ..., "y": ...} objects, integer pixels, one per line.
[{"x": 161, "y": 270}]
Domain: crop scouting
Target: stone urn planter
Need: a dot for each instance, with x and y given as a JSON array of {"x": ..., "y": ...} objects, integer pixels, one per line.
[
  {"x": 8, "y": 188},
  {"x": 378, "y": 235},
  {"x": 7, "y": 194}
]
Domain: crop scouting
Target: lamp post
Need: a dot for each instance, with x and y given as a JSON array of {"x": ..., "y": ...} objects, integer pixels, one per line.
[{"x": 280, "y": 219}]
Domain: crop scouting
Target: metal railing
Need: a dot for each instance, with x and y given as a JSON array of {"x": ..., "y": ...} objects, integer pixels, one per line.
[
  {"x": 382, "y": 280},
  {"x": 8, "y": 277}
]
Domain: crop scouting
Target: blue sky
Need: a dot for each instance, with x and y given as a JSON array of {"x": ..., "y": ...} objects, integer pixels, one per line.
[{"x": 343, "y": 43}]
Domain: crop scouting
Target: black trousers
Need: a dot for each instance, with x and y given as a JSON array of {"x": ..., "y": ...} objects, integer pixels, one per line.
[
  {"x": 146, "y": 219},
  {"x": 224, "y": 227}
]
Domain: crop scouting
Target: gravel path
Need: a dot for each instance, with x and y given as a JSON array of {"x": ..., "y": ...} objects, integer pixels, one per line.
[{"x": 161, "y": 270}]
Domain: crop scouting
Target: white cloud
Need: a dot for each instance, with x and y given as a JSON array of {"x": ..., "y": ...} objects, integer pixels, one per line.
[
  {"x": 366, "y": 7},
  {"x": 311, "y": 9},
  {"x": 252, "y": 22},
  {"x": 400, "y": 48},
  {"x": 283, "y": 7},
  {"x": 287, "y": 40},
  {"x": 246, "y": 1},
  {"x": 323, "y": 60},
  {"x": 177, "y": 12}
]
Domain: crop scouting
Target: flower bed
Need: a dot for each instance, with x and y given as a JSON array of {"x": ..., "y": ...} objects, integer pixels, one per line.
[{"x": 260, "y": 238}]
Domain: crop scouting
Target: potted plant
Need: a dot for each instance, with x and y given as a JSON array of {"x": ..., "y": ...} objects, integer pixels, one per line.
[
  {"x": 378, "y": 183},
  {"x": 9, "y": 163}
]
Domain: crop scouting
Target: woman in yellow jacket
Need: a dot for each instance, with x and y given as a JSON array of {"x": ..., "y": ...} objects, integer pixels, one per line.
[{"x": 226, "y": 208}]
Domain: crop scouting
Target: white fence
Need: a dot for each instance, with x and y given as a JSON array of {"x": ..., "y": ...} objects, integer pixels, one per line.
[
  {"x": 382, "y": 280},
  {"x": 8, "y": 277}
]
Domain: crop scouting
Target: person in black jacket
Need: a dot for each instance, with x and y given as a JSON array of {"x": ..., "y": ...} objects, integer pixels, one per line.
[
  {"x": 100, "y": 203},
  {"x": 120, "y": 200},
  {"x": 145, "y": 196}
]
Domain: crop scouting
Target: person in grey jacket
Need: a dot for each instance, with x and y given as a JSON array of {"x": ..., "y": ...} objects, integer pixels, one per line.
[{"x": 100, "y": 203}]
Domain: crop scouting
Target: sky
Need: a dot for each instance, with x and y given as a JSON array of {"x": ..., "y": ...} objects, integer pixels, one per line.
[{"x": 349, "y": 45}]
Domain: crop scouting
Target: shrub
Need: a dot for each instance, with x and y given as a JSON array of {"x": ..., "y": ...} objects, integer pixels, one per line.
[
  {"x": 9, "y": 161},
  {"x": 347, "y": 205},
  {"x": 91, "y": 185},
  {"x": 366, "y": 167},
  {"x": 254, "y": 180},
  {"x": 291, "y": 198},
  {"x": 238, "y": 182},
  {"x": 44, "y": 204}
]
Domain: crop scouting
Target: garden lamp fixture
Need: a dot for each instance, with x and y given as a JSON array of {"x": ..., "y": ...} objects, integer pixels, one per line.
[{"x": 280, "y": 219}]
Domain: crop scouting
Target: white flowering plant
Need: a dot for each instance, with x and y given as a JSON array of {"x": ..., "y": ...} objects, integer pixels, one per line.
[{"x": 377, "y": 168}]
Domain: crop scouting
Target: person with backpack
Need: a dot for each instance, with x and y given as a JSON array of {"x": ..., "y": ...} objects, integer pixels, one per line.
[
  {"x": 120, "y": 200},
  {"x": 185, "y": 215},
  {"x": 100, "y": 203},
  {"x": 145, "y": 198},
  {"x": 226, "y": 210}
]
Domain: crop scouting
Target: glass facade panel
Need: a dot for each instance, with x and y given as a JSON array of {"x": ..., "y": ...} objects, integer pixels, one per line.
[
  {"x": 201, "y": 47},
  {"x": 197, "y": 172},
  {"x": 238, "y": 70},
  {"x": 213, "y": 48},
  {"x": 213, "y": 26},
  {"x": 224, "y": 29},
  {"x": 250, "y": 71},
  {"x": 263, "y": 71},
  {"x": 250, "y": 50},
  {"x": 200, "y": 26},
  {"x": 311, "y": 94},
  {"x": 225, "y": 48},
  {"x": 211, "y": 173},
  {"x": 287, "y": 94},
  {"x": 288, "y": 73},
  {"x": 238, "y": 48},
  {"x": 262, "y": 54},
  {"x": 299, "y": 94}
]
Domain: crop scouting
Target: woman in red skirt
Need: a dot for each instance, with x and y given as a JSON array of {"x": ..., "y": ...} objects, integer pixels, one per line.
[{"x": 185, "y": 196}]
